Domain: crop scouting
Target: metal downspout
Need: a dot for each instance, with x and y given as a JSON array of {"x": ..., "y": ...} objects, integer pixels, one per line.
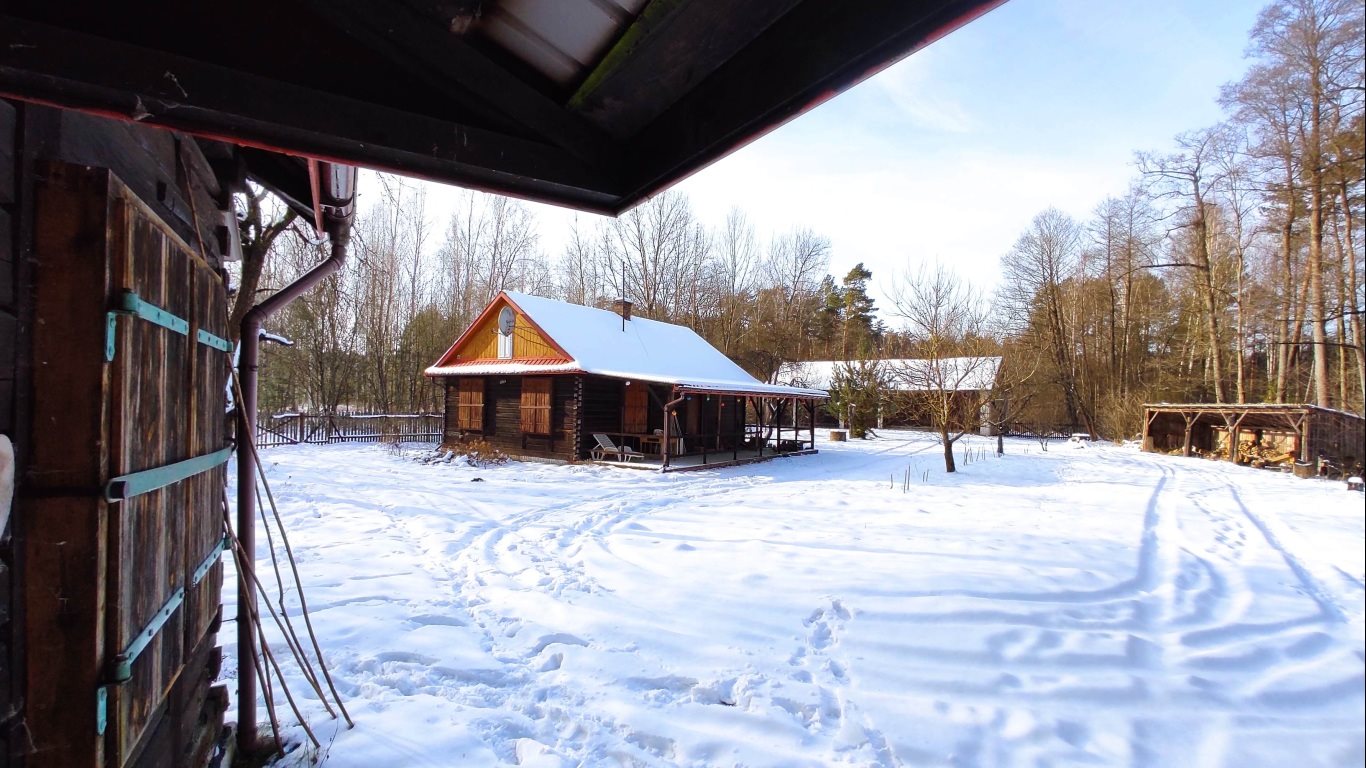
[
  {"x": 668, "y": 408},
  {"x": 339, "y": 231}
]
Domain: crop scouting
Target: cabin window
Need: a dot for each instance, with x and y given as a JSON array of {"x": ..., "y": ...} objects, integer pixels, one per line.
[
  {"x": 636, "y": 417},
  {"x": 507, "y": 321},
  {"x": 536, "y": 406},
  {"x": 470, "y": 412}
]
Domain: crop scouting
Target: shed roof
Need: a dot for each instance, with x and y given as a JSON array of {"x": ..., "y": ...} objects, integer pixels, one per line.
[
  {"x": 598, "y": 341},
  {"x": 1250, "y": 415},
  {"x": 955, "y": 374},
  {"x": 594, "y": 104}
]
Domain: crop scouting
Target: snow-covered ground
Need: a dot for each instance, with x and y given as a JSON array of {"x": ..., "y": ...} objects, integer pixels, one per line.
[{"x": 1087, "y": 605}]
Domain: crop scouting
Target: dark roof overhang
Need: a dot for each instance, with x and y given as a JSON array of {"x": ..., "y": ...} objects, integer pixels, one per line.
[{"x": 593, "y": 104}]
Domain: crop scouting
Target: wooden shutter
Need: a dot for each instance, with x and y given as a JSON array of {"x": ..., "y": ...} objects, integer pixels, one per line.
[
  {"x": 536, "y": 406},
  {"x": 636, "y": 417},
  {"x": 470, "y": 413}
]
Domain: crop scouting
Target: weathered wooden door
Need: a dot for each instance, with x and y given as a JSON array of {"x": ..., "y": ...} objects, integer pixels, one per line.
[{"x": 132, "y": 327}]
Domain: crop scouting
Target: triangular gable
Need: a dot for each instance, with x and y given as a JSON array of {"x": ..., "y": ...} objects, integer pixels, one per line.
[{"x": 479, "y": 342}]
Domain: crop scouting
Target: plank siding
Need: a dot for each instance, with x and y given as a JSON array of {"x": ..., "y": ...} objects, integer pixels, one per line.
[{"x": 527, "y": 342}]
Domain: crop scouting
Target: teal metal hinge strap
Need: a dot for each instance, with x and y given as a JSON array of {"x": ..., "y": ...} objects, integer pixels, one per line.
[
  {"x": 126, "y": 487},
  {"x": 130, "y": 303},
  {"x": 217, "y": 342},
  {"x": 204, "y": 565},
  {"x": 122, "y": 669},
  {"x": 101, "y": 709}
]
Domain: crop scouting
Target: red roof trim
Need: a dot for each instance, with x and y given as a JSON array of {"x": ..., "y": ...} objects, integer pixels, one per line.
[{"x": 512, "y": 361}]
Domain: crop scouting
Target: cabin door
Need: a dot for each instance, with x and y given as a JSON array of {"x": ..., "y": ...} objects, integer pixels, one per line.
[{"x": 131, "y": 331}]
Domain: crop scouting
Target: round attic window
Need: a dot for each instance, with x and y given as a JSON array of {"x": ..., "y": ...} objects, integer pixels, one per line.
[{"x": 506, "y": 319}]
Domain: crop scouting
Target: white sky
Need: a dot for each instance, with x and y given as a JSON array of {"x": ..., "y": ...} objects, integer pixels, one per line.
[{"x": 948, "y": 155}]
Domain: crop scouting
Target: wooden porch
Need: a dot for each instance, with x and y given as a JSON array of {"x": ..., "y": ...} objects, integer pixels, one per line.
[
  {"x": 740, "y": 428},
  {"x": 694, "y": 461}
]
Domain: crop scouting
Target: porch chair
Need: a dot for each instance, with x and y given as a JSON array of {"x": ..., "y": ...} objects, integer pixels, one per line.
[{"x": 606, "y": 447}]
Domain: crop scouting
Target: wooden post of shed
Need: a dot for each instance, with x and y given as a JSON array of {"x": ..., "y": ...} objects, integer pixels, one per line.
[
  {"x": 1297, "y": 427},
  {"x": 1186, "y": 440},
  {"x": 1147, "y": 444},
  {"x": 1233, "y": 425}
]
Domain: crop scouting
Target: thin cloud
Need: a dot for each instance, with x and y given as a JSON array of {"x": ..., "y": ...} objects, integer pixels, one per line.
[{"x": 918, "y": 89}]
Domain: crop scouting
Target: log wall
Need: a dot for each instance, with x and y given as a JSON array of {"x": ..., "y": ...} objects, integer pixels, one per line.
[{"x": 503, "y": 418}]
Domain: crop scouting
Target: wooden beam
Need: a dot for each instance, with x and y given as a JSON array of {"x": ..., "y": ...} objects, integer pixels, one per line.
[
  {"x": 455, "y": 69},
  {"x": 77, "y": 71},
  {"x": 667, "y": 51},
  {"x": 64, "y": 528}
]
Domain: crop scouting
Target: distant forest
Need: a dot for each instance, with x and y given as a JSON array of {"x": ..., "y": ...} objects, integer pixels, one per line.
[{"x": 1230, "y": 271}]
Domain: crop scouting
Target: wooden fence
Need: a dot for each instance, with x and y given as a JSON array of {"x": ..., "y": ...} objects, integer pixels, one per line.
[{"x": 298, "y": 428}]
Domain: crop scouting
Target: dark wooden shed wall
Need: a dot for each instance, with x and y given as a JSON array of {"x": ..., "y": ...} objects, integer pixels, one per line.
[
  {"x": 12, "y": 341},
  {"x": 164, "y": 171}
]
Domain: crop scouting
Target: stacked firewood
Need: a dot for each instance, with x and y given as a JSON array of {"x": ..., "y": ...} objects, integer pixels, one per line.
[{"x": 1258, "y": 455}]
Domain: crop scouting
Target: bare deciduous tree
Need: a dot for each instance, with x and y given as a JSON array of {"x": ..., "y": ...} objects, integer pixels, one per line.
[{"x": 952, "y": 378}]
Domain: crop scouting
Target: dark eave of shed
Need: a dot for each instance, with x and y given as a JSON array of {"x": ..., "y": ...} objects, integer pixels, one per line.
[{"x": 593, "y": 104}]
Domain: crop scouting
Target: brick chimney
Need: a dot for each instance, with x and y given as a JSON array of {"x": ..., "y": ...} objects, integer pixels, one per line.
[{"x": 622, "y": 307}]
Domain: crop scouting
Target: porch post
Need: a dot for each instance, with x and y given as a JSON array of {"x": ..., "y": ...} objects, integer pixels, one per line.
[
  {"x": 737, "y": 438},
  {"x": 702, "y": 423},
  {"x": 760, "y": 410},
  {"x": 675, "y": 399}
]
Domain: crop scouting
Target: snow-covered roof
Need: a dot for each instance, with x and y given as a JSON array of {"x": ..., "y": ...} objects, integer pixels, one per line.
[
  {"x": 645, "y": 350},
  {"x": 957, "y": 374}
]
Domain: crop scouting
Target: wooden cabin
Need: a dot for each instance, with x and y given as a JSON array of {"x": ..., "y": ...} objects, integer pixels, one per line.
[{"x": 538, "y": 378}]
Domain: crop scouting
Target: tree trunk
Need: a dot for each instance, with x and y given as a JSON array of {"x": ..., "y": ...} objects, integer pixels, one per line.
[
  {"x": 1207, "y": 295},
  {"x": 1313, "y": 161},
  {"x": 949, "y": 466},
  {"x": 1284, "y": 351},
  {"x": 1318, "y": 323},
  {"x": 1349, "y": 251}
]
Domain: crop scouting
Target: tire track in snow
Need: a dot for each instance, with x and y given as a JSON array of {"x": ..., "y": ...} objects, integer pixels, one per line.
[{"x": 1277, "y": 536}]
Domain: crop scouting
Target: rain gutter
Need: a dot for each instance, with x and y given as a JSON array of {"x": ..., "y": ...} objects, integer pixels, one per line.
[
  {"x": 334, "y": 204},
  {"x": 668, "y": 408}
]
